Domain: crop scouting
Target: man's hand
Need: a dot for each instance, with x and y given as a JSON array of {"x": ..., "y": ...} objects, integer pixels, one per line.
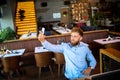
[
  {"x": 87, "y": 71},
  {"x": 41, "y": 37}
]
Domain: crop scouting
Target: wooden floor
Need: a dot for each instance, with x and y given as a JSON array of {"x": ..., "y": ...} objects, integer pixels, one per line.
[{"x": 31, "y": 73}]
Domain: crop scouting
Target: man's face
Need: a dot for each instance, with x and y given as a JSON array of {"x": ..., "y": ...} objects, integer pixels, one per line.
[{"x": 75, "y": 38}]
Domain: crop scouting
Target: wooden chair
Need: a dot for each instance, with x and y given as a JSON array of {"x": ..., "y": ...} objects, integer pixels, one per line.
[
  {"x": 11, "y": 64},
  {"x": 43, "y": 60},
  {"x": 59, "y": 59}
]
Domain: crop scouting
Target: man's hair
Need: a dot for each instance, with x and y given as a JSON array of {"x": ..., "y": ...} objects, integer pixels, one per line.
[{"x": 76, "y": 29}]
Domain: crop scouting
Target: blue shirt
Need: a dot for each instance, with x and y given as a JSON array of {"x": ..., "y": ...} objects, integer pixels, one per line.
[{"x": 75, "y": 58}]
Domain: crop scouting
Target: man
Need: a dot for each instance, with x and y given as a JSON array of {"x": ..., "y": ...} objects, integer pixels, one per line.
[{"x": 76, "y": 54}]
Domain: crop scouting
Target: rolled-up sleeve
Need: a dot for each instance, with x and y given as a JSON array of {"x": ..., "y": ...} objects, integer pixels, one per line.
[{"x": 91, "y": 59}]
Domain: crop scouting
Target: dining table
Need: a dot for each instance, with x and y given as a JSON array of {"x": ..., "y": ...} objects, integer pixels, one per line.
[
  {"x": 104, "y": 41},
  {"x": 62, "y": 30},
  {"x": 12, "y": 53},
  {"x": 40, "y": 49},
  {"x": 29, "y": 36}
]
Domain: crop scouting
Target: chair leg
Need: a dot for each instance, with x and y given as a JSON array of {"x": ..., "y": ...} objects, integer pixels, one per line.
[
  {"x": 58, "y": 71},
  {"x": 7, "y": 75},
  {"x": 20, "y": 76},
  {"x": 39, "y": 73},
  {"x": 63, "y": 69},
  {"x": 51, "y": 71}
]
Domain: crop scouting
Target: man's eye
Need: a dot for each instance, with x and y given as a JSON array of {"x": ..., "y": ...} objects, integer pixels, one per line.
[{"x": 73, "y": 36}]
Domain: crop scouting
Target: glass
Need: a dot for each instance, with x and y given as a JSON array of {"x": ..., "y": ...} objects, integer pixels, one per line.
[
  {"x": 2, "y": 50},
  {"x": 66, "y": 27}
]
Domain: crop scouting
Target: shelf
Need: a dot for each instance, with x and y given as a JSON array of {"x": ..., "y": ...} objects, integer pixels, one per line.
[{"x": 79, "y": 11}]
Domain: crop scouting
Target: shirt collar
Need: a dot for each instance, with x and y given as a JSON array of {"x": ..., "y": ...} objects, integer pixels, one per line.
[{"x": 79, "y": 45}]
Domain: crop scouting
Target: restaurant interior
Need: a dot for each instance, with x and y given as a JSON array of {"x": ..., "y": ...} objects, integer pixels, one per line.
[{"x": 22, "y": 56}]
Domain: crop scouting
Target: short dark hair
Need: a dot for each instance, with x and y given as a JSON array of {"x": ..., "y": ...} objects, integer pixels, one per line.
[{"x": 76, "y": 29}]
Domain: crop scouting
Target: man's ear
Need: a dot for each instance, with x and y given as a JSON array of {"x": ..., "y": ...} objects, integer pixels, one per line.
[{"x": 81, "y": 38}]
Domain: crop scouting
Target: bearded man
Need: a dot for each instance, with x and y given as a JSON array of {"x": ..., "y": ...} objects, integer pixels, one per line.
[{"x": 76, "y": 53}]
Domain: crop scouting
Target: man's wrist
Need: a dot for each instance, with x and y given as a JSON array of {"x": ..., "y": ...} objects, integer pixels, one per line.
[{"x": 91, "y": 67}]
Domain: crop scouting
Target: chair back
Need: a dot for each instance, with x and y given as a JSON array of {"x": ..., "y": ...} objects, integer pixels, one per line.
[
  {"x": 11, "y": 63},
  {"x": 43, "y": 59},
  {"x": 59, "y": 58}
]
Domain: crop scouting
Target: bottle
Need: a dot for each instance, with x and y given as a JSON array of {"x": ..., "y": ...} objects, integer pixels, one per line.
[
  {"x": 66, "y": 27},
  {"x": 5, "y": 48}
]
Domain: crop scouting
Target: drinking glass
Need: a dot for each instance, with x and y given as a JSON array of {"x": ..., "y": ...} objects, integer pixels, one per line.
[{"x": 2, "y": 50}]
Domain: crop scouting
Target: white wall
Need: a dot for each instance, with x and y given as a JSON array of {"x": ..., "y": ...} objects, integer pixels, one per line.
[
  {"x": 6, "y": 20},
  {"x": 53, "y": 6}
]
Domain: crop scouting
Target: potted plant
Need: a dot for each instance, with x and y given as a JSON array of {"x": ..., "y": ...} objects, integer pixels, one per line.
[
  {"x": 97, "y": 19},
  {"x": 39, "y": 20},
  {"x": 7, "y": 34}
]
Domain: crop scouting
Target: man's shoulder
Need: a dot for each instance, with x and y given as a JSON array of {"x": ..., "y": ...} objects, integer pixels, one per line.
[{"x": 83, "y": 44}]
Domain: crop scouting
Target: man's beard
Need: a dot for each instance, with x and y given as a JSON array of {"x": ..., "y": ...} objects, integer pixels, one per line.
[{"x": 75, "y": 44}]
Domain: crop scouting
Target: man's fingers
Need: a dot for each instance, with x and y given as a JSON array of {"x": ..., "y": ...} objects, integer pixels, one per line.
[
  {"x": 41, "y": 35},
  {"x": 85, "y": 72},
  {"x": 40, "y": 32}
]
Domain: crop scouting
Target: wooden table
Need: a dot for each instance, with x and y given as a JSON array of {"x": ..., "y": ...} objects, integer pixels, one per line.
[
  {"x": 104, "y": 41},
  {"x": 14, "y": 53},
  {"x": 113, "y": 43},
  {"x": 40, "y": 49},
  {"x": 62, "y": 30},
  {"x": 26, "y": 36},
  {"x": 111, "y": 53}
]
